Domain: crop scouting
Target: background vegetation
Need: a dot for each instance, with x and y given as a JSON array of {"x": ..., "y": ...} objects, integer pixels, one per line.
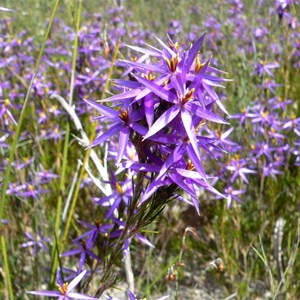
[{"x": 244, "y": 236}]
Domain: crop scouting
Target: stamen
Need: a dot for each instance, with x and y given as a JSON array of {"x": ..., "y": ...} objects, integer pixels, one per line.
[
  {"x": 173, "y": 62},
  {"x": 188, "y": 96},
  {"x": 63, "y": 288},
  {"x": 123, "y": 115},
  {"x": 119, "y": 189},
  {"x": 198, "y": 64}
]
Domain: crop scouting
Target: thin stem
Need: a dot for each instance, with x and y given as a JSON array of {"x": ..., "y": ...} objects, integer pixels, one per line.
[
  {"x": 6, "y": 267},
  {"x": 75, "y": 53},
  {"x": 65, "y": 151}
]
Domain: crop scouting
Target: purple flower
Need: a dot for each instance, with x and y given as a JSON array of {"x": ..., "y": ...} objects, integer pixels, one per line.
[
  {"x": 84, "y": 250},
  {"x": 5, "y": 112},
  {"x": 232, "y": 194},
  {"x": 262, "y": 67},
  {"x": 95, "y": 230},
  {"x": 243, "y": 116},
  {"x": 36, "y": 242},
  {"x": 122, "y": 191},
  {"x": 123, "y": 120},
  {"x": 237, "y": 166},
  {"x": 65, "y": 290},
  {"x": 130, "y": 235},
  {"x": 31, "y": 191},
  {"x": 174, "y": 97}
]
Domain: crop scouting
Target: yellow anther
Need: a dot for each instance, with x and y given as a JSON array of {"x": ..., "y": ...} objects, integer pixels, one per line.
[
  {"x": 166, "y": 82},
  {"x": 264, "y": 114},
  {"x": 188, "y": 96},
  {"x": 201, "y": 124},
  {"x": 6, "y": 102},
  {"x": 119, "y": 189},
  {"x": 63, "y": 288},
  {"x": 172, "y": 63},
  {"x": 218, "y": 133},
  {"x": 198, "y": 65},
  {"x": 123, "y": 115},
  {"x": 236, "y": 157},
  {"x": 190, "y": 166},
  {"x": 148, "y": 76},
  {"x": 174, "y": 46}
]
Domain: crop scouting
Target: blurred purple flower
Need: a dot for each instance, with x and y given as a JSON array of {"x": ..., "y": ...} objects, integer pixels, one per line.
[
  {"x": 84, "y": 250},
  {"x": 37, "y": 241}
]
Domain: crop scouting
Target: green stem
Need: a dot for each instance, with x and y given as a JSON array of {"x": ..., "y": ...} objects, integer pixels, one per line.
[
  {"x": 75, "y": 53},
  {"x": 6, "y": 267},
  {"x": 55, "y": 253},
  {"x": 56, "y": 249}
]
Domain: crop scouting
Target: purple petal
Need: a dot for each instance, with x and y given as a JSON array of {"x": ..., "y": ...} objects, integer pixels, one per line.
[
  {"x": 107, "y": 134},
  {"x": 81, "y": 296},
  {"x": 204, "y": 113},
  {"x": 114, "y": 206},
  {"x": 144, "y": 167},
  {"x": 175, "y": 156},
  {"x": 127, "y": 83},
  {"x": 188, "y": 174},
  {"x": 27, "y": 244},
  {"x": 163, "y": 120},
  {"x": 105, "y": 199},
  {"x": 210, "y": 91},
  {"x": 196, "y": 161},
  {"x": 177, "y": 82},
  {"x": 144, "y": 240},
  {"x": 152, "y": 188},
  {"x": 156, "y": 89},
  {"x": 193, "y": 53},
  {"x": 142, "y": 66},
  {"x": 94, "y": 256},
  {"x": 155, "y": 53},
  {"x": 46, "y": 293},
  {"x": 107, "y": 111},
  {"x": 123, "y": 142},
  {"x": 190, "y": 130},
  {"x": 168, "y": 49},
  {"x": 122, "y": 96},
  {"x": 178, "y": 180},
  {"x": 159, "y": 81},
  {"x": 75, "y": 281},
  {"x": 149, "y": 109},
  {"x": 139, "y": 128}
]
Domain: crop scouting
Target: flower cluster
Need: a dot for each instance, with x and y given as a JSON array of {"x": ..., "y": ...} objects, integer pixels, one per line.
[{"x": 162, "y": 111}]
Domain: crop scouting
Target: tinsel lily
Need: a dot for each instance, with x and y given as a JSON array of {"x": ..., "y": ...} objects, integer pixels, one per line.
[{"x": 162, "y": 110}]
